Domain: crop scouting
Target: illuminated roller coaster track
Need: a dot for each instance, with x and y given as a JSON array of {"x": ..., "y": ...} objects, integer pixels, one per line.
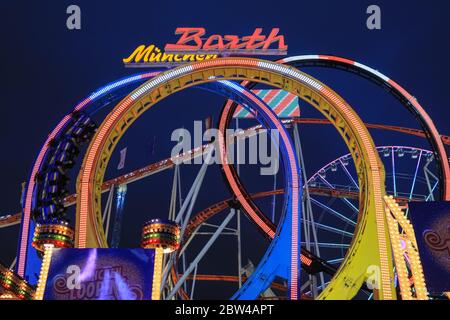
[
  {"x": 168, "y": 163},
  {"x": 405, "y": 130},
  {"x": 320, "y": 60},
  {"x": 99, "y": 96},
  {"x": 270, "y": 265},
  {"x": 408, "y": 100},
  {"x": 293, "y": 175},
  {"x": 292, "y": 172},
  {"x": 371, "y": 232},
  {"x": 329, "y": 190},
  {"x": 276, "y": 263},
  {"x": 96, "y": 100},
  {"x": 13, "y": 219},
  {"x": 141, "y": 173},
  {"x": 209, "y": 212},
  {"x": 216, "y": 208},
  {"x": 212, "y": 210}
]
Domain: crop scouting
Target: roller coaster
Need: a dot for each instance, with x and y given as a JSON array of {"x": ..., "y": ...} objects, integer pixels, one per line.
[{"x": 353, "y": 210}]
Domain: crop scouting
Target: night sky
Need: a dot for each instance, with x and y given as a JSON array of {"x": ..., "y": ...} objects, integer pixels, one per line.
[{"x": 46, "y": 69}]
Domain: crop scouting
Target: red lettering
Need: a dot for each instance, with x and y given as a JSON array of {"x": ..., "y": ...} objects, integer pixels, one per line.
[
  {"x": 219, "y": 43},
  {"x": 190, "y": 40},
  {"x": 254, "y": 41},
  {"x": 274, "y": 37},
  {"x": 233, "y": 42},
  {"x": 187, "y": 35}
]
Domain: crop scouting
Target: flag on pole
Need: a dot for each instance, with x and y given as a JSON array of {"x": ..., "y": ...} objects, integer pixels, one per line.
[{"x": 123, "y": 154}]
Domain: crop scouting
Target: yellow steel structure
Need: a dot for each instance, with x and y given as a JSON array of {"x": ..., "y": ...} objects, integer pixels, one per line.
[
  {"x": 413, "y": 288},
  {"x": 157, "y": 274},
  {"x": 42, "y": 282},
  {"x": 370, "y": 246}
]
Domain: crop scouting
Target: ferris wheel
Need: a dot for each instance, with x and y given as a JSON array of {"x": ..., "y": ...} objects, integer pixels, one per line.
[{"x": 317, "y": 226}]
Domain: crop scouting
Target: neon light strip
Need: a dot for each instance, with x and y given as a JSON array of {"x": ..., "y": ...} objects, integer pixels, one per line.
[
  {"x": 400, "y": 266},
  {"x": 295, "y": 190},
  {"x": 411, "y": 247},
  {"x": 86, "y": 180},
  {"x": 377, "y": 184},
  {"x": 114, "y": 116},
  {"x": 157, "y": 274},
  {"x": 232, "y": 182},
  {"x": 37, "y": 165},
  {"x": 30, "y": 190},
  {"x": 413, "y": 101},
  {"x": 435, "y": 134},
  {"x": 40, "y": 290}
]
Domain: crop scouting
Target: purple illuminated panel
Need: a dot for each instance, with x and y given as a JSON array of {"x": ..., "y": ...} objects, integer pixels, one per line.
[
  {"x": 100, "y": 274},
  {"x": 431, "y": 222}
]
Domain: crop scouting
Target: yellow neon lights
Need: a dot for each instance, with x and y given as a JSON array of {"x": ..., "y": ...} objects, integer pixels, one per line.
[
  {"x": 153, "y": 55},
  {"x": 396, "y": 217},
  {"x": 400, "y": 265},
  {"x": 371, "y": 244},
  {"x": 157, "y": 274},
  {"x": 42, "y": 282}
]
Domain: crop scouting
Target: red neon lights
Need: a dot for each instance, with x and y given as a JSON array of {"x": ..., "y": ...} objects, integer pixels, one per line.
[
  {"x": 243, "y": 198},
  {"x": 29, "y": 195},
  {"x": 339, "y": 59},
  {"x": 23, "y": 251},
  {"x": 425, "y": 117},
  {"x": 232, "y": 181},
  {"x": 436, "y": 137},
  {"x": 191, "y": 39},
  {"x": 305, "y": 260},
  {"x": 86, "y": 182}
]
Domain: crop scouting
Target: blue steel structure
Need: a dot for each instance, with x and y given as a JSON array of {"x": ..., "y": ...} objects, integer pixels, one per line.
[
  {"x": 96, "y": 101},
  {"x": 276, "y": 261}
]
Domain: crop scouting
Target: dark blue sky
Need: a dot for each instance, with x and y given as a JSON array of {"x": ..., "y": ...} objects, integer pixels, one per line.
[{"x": 46, "y": 69}]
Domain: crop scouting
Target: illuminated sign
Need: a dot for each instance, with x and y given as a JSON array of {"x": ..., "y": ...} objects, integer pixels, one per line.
[
  {"x": 191, "y": 40},
  {"x": 192, "y": 45},
  {"x": 431, "y": 222},
  {"x": 100, "y": 274},
  {"x": 152, "y": 56}
]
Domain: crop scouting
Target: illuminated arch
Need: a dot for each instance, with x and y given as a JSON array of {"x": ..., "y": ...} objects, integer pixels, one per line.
[
  {"x": 408, "y": 101},
  {"x": 97, "y": 97},
  {"x": 282, "y": 258},
  {"x": 371, "y": 243}
]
